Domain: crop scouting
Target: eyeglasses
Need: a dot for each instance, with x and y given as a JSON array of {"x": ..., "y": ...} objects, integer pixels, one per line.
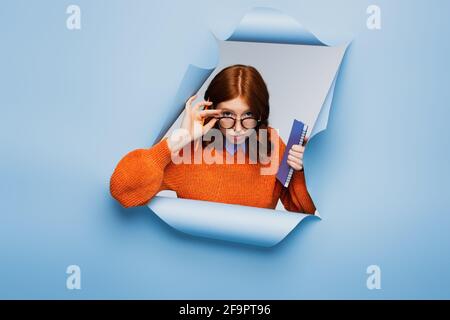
[{"x": 229, "y": 122}]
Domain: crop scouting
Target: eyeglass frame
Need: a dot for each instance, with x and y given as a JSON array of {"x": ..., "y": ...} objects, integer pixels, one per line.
[{"x": 240, "y": 119}]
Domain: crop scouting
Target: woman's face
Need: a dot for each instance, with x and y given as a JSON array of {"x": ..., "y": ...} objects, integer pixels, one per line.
[{"x": 237, "y": 109}]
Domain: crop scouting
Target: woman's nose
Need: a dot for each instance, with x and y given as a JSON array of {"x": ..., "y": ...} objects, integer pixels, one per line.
[{"x": 237, "y": 126}]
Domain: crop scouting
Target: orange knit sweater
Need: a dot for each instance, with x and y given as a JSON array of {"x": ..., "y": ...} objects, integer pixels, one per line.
[{"x": 142, "y": 173}]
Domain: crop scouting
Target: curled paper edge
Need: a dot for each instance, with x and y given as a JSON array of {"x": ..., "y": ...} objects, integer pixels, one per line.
[
  {"x": 264, "y": 24},
  {"x": 230, "y": 222}
]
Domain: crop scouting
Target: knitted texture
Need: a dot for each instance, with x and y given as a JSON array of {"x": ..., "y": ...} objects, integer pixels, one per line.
[{"x": 142, "y": 173}]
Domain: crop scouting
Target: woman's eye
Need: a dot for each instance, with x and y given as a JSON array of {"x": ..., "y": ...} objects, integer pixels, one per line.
[
  {"x": 227, "y": 114},
  {"x": 248, "y": 114}
]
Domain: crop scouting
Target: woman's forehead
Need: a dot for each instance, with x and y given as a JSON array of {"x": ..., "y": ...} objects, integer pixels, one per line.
[{"x": 236, "y": 105}]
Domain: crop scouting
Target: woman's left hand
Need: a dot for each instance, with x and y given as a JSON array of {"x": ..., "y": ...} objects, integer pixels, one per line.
[{"x": 295, "y": 156}]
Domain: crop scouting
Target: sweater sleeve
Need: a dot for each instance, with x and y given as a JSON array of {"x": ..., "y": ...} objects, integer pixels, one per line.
[
  {"x": 139, "y": 175},
  {"x": 295, "y": 197}
]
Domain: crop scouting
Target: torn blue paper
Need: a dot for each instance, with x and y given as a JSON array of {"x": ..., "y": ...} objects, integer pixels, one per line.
[
  {"x": 261, "y": 29},
  {"x": 229, "y": 222}
]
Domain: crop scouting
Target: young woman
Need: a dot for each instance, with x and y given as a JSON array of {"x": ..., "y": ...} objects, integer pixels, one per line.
[{"x": 237, "y": 106}]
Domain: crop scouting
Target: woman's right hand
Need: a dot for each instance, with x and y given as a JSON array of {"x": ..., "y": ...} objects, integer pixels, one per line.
[{"x": 192, "y": 126}]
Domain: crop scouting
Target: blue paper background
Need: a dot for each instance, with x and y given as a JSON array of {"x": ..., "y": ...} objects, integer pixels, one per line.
[{"x": 74, "y": 102}]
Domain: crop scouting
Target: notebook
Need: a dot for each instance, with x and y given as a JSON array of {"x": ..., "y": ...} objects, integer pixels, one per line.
[{"x": 297, "y": 136}]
